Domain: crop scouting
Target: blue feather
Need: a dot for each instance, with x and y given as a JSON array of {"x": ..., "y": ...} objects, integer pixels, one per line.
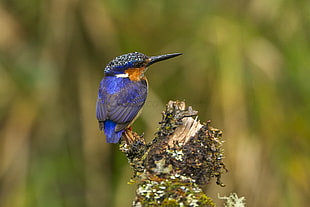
[
  {"x": 111, "y": 135},
  {"x": 121, "y": 97},
  {"x": 113, "y": 84}
]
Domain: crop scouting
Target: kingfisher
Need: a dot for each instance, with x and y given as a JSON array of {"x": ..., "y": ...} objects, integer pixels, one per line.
[{"x": 123, "y": 91}]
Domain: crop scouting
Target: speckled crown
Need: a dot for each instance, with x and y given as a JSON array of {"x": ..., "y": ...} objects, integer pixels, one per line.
[{"x": 120, "y": 63}]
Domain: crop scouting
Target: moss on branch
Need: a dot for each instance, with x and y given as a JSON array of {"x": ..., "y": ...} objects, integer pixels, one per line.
[{"x": 184, "y": 155}]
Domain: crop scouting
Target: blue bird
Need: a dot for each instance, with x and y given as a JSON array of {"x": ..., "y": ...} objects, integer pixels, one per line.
[{"x": 123, "y": 91}]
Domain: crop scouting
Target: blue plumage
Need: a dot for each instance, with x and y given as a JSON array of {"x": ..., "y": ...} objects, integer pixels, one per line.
[
  {"x": 109, "y": 130},
  {"x": 122, "y": 92}
]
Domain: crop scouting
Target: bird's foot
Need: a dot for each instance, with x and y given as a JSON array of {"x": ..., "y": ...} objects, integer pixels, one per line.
[{"x": 129, "y": 136}]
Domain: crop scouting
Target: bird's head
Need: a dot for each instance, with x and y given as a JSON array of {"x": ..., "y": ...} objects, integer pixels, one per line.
[{"x": 133, "y": 65}]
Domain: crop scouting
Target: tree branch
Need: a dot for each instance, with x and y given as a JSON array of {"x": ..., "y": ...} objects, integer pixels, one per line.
[{"x": 184, "y": 155}]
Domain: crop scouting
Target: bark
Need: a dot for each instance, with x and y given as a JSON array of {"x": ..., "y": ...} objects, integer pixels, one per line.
[{"x": 183, "y": 156}]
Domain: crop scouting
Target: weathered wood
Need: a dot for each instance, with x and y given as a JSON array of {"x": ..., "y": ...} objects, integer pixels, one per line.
[{"x": 184, "y": 155}]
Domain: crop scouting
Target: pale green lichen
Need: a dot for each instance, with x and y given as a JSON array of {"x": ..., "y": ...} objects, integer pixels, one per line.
[
  {"x": 176, "y": 154},
  {"x": 177, "y": 191},
  {"x": 170, "y": 172},
  {"x": 161, "y": 167},
  {"x": 233, "y": 200}
]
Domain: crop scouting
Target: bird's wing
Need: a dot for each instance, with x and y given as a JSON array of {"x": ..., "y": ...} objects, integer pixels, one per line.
[
  {"x": 124, "y": 106},
  {"x": 121, "y": 107},
  {"x": 101, "y": 111},
  {"x": 101, "y": 106}
]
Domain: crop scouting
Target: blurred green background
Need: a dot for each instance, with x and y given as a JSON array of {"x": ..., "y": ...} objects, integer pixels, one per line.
[{"x": 246, "y": 67}]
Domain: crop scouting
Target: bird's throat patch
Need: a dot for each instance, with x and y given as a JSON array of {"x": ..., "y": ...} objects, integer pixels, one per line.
[{"x": 135, "y": 74}]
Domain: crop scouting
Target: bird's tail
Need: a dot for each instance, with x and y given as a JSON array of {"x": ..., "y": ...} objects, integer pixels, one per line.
[{"x": 111, "y": 135}]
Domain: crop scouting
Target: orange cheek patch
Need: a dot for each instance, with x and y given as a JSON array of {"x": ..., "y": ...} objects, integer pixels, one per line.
[{"x": 135, "y": 74}]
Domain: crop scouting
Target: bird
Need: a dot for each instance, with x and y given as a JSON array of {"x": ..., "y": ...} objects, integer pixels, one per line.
[{"x": 123, "y": 91}]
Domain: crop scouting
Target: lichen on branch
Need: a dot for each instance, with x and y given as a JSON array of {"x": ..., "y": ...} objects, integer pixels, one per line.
[{"x": 184, "y": 155}]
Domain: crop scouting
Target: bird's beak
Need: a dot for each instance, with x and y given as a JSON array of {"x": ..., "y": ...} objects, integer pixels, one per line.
[{"x": 154, "y": 59}]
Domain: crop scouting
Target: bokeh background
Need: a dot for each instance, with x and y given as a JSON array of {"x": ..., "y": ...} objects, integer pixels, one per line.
[{"x": 246, "y": 67}]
